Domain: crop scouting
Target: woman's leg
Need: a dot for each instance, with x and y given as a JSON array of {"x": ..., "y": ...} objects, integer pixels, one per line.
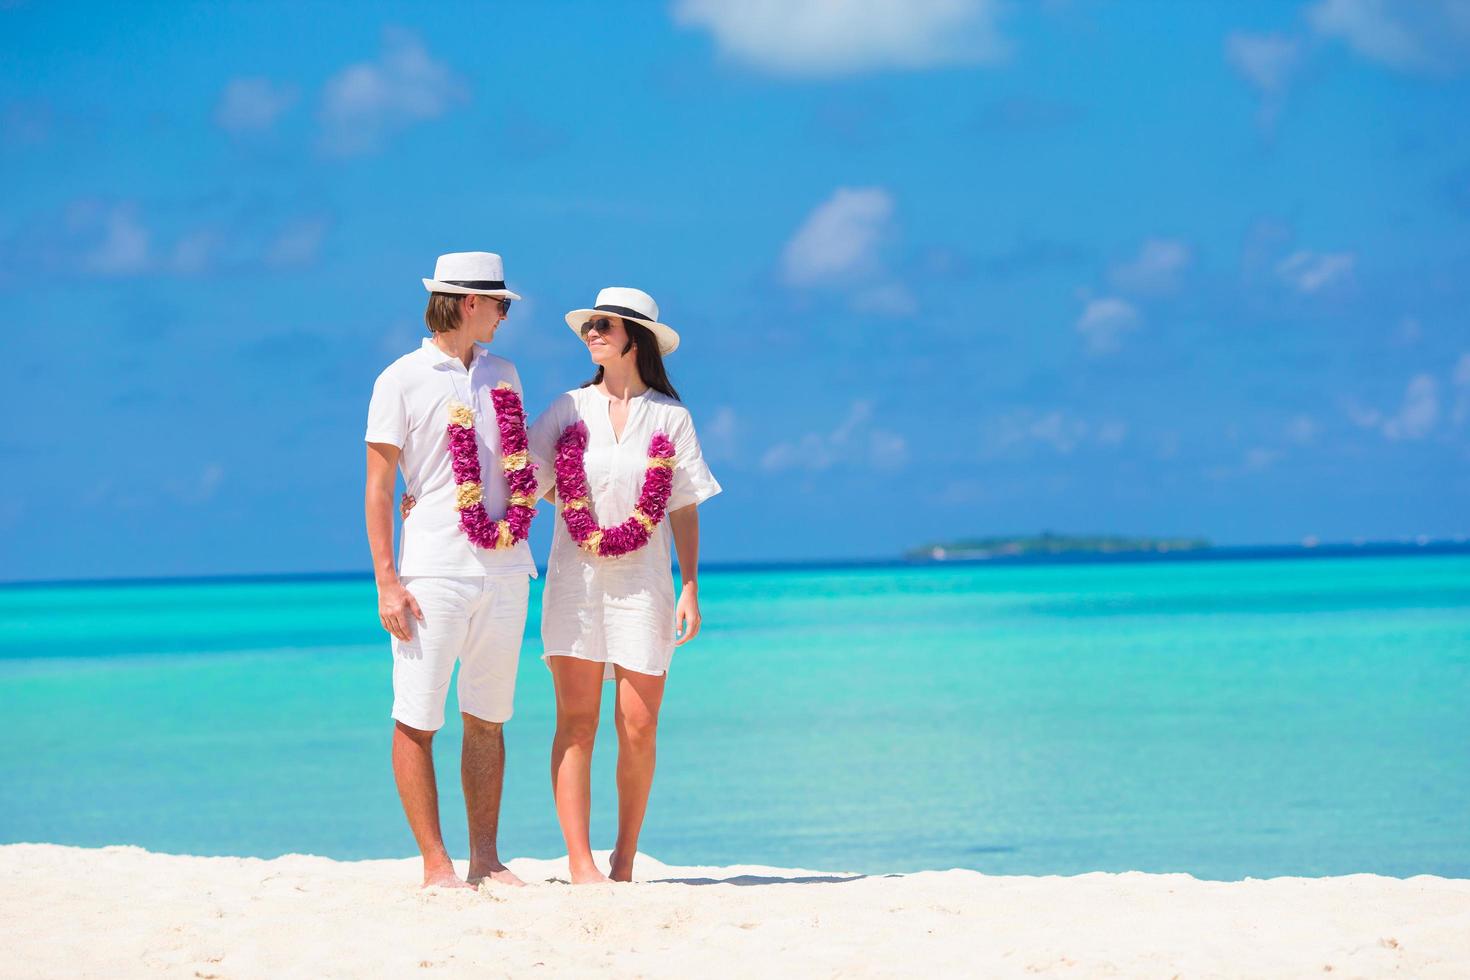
[
  {"x": 578, "y": 701},
  {"x": 639, "y": 697}
]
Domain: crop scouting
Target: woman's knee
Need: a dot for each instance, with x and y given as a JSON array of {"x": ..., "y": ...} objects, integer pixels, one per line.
[
  {"x": 578, "y": 727},
  {"x": 637, "y": 727}
]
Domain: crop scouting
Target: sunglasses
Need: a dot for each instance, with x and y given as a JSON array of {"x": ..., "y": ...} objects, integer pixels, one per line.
[
  {"x": 601, "y": 324},
  {"x": 505, "y": 307}
]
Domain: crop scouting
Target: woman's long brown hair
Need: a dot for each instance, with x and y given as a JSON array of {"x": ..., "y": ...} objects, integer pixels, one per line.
[{"x": 650, "y": 362}]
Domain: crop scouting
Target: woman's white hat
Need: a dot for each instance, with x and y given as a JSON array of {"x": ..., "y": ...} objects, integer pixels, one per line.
[
  {"x": 630, "y": 304},
  {"x": 462, "y": 273}
]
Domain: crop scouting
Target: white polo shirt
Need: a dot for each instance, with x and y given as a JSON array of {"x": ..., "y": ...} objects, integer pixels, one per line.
[{"x": 410, "y": 410}]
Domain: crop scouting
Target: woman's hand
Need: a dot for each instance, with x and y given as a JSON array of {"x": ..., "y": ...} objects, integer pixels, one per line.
[
  {"x": 686, "y": 616},
  {"x": 405, "y": 505}
]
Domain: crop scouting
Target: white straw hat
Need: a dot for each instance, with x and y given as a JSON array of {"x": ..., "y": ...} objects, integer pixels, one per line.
[
  {"x": 462, "y": 273},
  {"x": 630, "y": 304}
]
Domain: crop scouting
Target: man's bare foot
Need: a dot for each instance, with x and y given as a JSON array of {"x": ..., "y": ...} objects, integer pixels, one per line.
[
  {"x": 587, "y": 875},
  {"x": 443, "y": 878},
  {"x": 622, "y": 870},
  {"x": 497, "y": 873}
]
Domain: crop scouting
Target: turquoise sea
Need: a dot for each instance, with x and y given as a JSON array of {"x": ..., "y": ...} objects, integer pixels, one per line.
[{"x": 1227, "y": 719}]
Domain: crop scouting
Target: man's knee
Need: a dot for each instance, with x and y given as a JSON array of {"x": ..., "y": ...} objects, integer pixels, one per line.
[
  {"x": 418, "y": 736},
  {"x": 474, "y": 725}
]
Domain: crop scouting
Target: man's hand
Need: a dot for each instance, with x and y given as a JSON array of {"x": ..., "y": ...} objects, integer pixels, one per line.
[
  {"x": 395, "y": 604},
  {"x": 686, "y": 616},
  {"x": 406, "y": 504}
]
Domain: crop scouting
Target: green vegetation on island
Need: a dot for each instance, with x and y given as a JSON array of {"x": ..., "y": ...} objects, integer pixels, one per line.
[{"x": 1046, "y": 543}]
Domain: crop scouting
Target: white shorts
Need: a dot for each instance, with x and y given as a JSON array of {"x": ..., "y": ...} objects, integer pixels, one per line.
[{"x": 478, "y": 621}]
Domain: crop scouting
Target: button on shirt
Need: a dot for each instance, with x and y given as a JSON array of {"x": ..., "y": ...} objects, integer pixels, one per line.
[{"x": 410, "y": 410}]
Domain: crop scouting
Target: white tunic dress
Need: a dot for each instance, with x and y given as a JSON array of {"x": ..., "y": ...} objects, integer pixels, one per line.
[{"x": 617, "y": 610}]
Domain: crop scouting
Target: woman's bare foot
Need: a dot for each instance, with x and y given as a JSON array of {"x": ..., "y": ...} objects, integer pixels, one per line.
[
  {"x": 622, "y": 870},
  {"x": 587, "y": 874},
  {"x": 497, "y": 873}
]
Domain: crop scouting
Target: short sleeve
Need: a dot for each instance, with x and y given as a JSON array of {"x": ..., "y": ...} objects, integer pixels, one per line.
[
  {"x": 543, "y": 435},
  {"x": 387, "y": 413},
  {"x": 693, "y": 482}
]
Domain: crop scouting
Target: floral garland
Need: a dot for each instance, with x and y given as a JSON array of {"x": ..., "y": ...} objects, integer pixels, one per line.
[
  {"x": 575, "y": 498},
  {"x": 515, "y": 456}
]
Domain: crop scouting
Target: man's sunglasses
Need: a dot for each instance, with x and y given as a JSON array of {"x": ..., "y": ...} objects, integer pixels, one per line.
[
  {"x": 505, "y": 307},
  {"x": 601, "y": 324}
]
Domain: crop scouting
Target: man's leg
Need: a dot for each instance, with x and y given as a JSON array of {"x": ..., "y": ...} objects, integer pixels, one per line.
[
  {"x": 413, "y": 771},
  {"x": 422, "y": 666},
  {"x": 487, "y": 680},
  {"x": 482, "y": 768},
  {"x": 638, "y": 701}
]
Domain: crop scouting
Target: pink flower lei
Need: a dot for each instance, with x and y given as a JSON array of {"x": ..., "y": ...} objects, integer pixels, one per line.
[
  {"x": 575, "y": 498},
  {"x": 515, "y": 457}
]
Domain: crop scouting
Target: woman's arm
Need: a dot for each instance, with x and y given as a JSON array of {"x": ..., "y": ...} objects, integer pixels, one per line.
[{"x": 685, "y": 525}]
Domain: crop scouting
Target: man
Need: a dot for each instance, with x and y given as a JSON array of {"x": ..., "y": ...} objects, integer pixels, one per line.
[{"x": 448, "y": 598}]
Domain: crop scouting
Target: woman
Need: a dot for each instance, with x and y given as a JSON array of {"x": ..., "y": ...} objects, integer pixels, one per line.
[{"x": 629, "y": 476}]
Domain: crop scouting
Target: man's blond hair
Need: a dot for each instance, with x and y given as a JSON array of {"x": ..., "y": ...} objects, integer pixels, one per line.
[{"x": 444, "y": 313}]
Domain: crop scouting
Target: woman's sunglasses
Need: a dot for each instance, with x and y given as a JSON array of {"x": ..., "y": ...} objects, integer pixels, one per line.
[
  {"x": 505, "y": 307},
  {"x": 601, "y": 324}
]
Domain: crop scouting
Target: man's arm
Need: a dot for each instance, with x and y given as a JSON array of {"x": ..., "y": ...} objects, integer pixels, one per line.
[{"x": 395, "y": 604}]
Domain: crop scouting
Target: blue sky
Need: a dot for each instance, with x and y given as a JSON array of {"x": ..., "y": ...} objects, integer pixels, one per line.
[{"x": 942, "y": 267}]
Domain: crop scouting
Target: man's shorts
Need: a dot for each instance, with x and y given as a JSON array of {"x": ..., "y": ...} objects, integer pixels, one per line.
[{"x": 479, "y": 622}]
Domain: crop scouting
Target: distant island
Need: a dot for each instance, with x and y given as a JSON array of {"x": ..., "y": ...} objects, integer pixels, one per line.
[{"x": 1046, "y": 543}]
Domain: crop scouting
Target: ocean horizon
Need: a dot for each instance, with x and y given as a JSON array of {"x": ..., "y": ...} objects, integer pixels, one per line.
[
  {"x": 1249, "y": 717},
  {"x": 1405, "y": 547}
]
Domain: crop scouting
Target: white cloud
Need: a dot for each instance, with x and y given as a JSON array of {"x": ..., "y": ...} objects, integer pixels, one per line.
[
  {"x": 1104, "y": 321},
  {"x": 192, "y": 253},
  {"x": 839, "y": 238},
  {"x": 1054, "y": 428},
  {"x": 1156, "y": 268},
  {"x": 1419, "y": 411},
  {"x": 719, "y": 437},
  {"x": 1462, "y": 371},
  {"x": 115, "y": 238},
  {"x": 1423, "y": 35},
  {"x": 1310, "y": 272},
  {"x": 1253, "y": 460},
  {"x": 887, "y": 450},
  {"x": 124, "y": 248},
  {"x": 1461, "y": 381},
  {"x": 365, "y": 103},
  {"x": 893, "y": 299},
  {"x": 198, "y": 489},
  {"x": 1260, "y": 457},
  {"x": 251, "y": 105},
  {"x": 1266, "y": 62},
  {"x": 1111, "y": 433},
  {"x": 1363, "y": 416},
  {"x": 852, "y": 442},
  {"x": 298, "y": 244},
  {"x": 1302, "y": 429},
  {"x": 842, "y": 37}
]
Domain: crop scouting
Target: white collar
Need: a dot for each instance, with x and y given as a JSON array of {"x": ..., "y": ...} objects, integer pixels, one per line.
[{"x": 437, "y": 356}]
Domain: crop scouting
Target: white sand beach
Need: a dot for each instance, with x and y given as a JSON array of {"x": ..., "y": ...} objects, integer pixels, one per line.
[{"x": 124, "y": 912}]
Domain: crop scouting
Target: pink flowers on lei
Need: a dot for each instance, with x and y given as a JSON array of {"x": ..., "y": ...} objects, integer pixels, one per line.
[
  {"x": 515, "y": 456},
  {"x": 575, "y": 497}
]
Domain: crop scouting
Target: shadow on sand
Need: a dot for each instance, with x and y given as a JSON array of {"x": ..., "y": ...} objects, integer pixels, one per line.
[{"x": 765, "y": 880}]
